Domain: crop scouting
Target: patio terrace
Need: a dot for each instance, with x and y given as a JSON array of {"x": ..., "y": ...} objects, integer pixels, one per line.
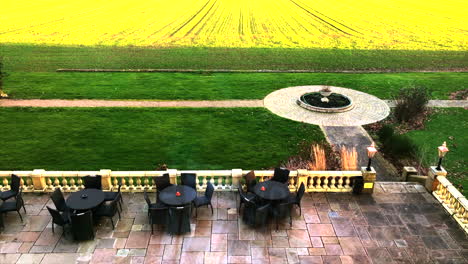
[{"x": 398, "y": 223}]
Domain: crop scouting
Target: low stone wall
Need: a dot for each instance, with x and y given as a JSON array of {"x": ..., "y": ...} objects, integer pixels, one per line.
[{"x": 223, "y": 180}]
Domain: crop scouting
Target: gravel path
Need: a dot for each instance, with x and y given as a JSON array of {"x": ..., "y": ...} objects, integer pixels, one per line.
[
  {"x": 202, "y": 103},
  {"x": 127, "y": 103}
]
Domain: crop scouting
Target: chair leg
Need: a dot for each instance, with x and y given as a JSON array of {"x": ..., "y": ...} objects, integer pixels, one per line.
[
  {"x": 120, "y": 204},
  {"x": 20, "y": 215},
  {"x": 118, "y": 214},
  {"x": 211, "y": 209},
  {"x": 53, "y": 231},
  {"x": 300, "y": 210},
  {"x": 196, "y": 212},
  {"x": 112, "y": 221}
]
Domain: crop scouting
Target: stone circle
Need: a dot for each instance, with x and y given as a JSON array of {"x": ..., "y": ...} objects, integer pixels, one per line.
[{"x": 367, "y": 108}]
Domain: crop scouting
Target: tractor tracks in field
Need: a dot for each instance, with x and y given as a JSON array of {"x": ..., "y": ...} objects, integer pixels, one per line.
[
  {"x": 194, "y": 16},
  {"x": 327, "y": 20}
]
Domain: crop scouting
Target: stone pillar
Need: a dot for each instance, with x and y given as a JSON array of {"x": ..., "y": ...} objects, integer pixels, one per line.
[
  {"x": 369, "y": 179},
  {"x": 38, "y": 181},
  {"x": 236, "y": 178},
  {"x": 106, "y": 181},
  {"x": 302, "y": 176},
  {"x": 172, "y": 175},
  {"x": 408, "y": 171},
  {"x": 431, "y": 181}
]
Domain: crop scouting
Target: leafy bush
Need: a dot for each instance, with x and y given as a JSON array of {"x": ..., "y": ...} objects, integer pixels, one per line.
[
  {"x": 411, "y": 103},
  {"x": 385, "y": 133},
  {"x": 400, "y": 146}
]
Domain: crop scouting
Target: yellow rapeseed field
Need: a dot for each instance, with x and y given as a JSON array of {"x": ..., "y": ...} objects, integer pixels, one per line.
[{"x": 343, "y": 24}]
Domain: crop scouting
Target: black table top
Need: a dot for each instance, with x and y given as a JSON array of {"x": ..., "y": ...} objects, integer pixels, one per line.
[
  {"x": 77, "y": 201},
  {"x": 273, "y": 190},
  {"x": 168, "y": 195}
]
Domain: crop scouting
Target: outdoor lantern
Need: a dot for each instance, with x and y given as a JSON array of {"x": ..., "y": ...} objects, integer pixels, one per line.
[
  {"x": 371, "y": 150},
  {"x": 442, "y": 151}
]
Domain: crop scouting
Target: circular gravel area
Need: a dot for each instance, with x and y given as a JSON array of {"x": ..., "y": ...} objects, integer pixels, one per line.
[{"x": 367, "y": 108}]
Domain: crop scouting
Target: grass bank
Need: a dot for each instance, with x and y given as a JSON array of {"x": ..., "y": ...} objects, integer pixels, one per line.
[
  {"x": 138, "y": 139},
  {"x": 448, "y": 125},
  {"x": 42, "y": 58},
  {"x": 215, "y": 86}
]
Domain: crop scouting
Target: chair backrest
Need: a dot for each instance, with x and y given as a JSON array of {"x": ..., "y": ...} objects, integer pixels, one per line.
[
  {"x": 59, "y": 200},
  {"x": 19, "y": 200},
  {"x": 209, "y": 191},
  {"x": 113, "y": 206},
  {"x": 250, "y": 180},
  {"x": 56, "y": 217},
  {"x": 15, "y": 183},
  {"x": 283, "y": 210},
  {"x": 147, "y": 199},
  {"x": 300, "y": 193},
  {"x": 82, "y": 225},
  {"x": 162, "y": 182},
  {"x": 189, "y": 179},
  {"x": 262, "y": 214},
  {"x": 179, "y": 219},
  {"x": 281, "y": 175},
  {"x": 159, "y": 215},
  {"x": 92, "y": 182}
]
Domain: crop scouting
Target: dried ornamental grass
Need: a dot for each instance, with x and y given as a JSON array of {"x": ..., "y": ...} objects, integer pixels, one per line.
[
  {"x": 349, "y": 159},
  {"x": 318, "y": 159}
]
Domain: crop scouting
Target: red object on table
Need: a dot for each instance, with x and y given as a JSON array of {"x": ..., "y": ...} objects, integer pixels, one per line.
[
  {"x": 177, "y": 194},
  {"x": 263, "y": 188}
]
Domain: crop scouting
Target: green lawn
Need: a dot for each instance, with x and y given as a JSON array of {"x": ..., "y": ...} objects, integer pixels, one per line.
[
  {"x": 140, "y": 138},
  {"x": 216, "y": 86},
  {"x": 449, "y": 125},
  {"x": 37, "y": 58}
]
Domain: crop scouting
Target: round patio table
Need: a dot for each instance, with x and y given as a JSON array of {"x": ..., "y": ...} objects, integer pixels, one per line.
[
  {"x": 168, "y": 195},
  {"x": 85, "y": 199},
  {"x": 274, "y": 190}
]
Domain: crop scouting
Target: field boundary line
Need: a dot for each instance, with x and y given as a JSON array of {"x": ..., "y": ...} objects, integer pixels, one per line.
[
  {"x": 255, "y": 71},
  {"x": 181, "y": 103}
]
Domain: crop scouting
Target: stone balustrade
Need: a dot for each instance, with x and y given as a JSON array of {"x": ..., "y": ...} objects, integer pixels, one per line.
[
  {"x": 452, "y": 200},
  {"x": 222, "y": 180}
]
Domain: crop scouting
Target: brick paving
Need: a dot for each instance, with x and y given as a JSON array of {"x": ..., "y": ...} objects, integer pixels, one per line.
[
  {"x": 367, "y": 108},
  {"x": 399, "y": 223}
]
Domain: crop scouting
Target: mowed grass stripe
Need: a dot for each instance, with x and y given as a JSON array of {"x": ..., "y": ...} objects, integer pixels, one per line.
[
  {"x": 38, "y": 58},
  {"x": 138, "y": 139},
  {"x": 216, "y": 86}
]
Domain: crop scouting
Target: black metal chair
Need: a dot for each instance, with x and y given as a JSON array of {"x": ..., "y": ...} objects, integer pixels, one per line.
[
  {"x": 162, "y": 182},
  {"x": 244, "y": 197},
  {"x": 189, "y": 179},
  {"x": 248, "y": 214},
  {"x": 59, "y": 200},
  {"x": 281, "y": 211},
  {"x": 158, "y": 216},
  {"x": 297, "y": 198},
  {"x": 108, "y": 209},
  {"x": 92, "y": 182},
  {"x": 151, "y": 205},
  {"x": 262, "y": 215},
  {"x": 58, "y": 218},
  {"x": 82, "y": 226},
  {"x": 14, "y": 188},
  {"x": 204, "y": 200},
  {"x": 280, "y": 175},
  {"x": 110, "y": 196},
  {"x": 179, "y": 220},
  {"x": 10, "y": 206},
  {"x": 250, "y": 181}
]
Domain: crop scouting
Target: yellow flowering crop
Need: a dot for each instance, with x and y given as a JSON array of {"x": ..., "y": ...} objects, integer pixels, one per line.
[{"x": 344, "y": 24}]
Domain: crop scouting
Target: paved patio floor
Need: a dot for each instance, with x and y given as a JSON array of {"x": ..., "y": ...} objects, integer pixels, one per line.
[{"x": 399, "y": 223}]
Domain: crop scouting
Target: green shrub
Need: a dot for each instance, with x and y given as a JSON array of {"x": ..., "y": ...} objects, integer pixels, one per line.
[
  {"x": 411, "y": 103},
  {"x": 385, "y": 133},
  {"x": 400, "y": 146}
]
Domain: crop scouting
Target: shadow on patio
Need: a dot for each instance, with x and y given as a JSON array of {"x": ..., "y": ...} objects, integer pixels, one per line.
[{"x": 399, "y": 223}]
